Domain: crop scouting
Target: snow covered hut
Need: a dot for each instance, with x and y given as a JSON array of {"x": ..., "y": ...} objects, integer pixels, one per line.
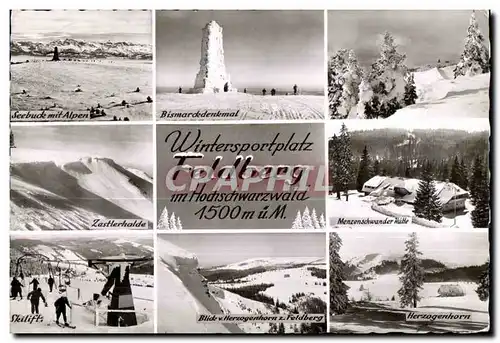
[{"x": 451, "y": 291}]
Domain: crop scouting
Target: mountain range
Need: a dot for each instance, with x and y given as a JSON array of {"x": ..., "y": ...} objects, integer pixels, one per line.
[{"x": 74, "y": 48}]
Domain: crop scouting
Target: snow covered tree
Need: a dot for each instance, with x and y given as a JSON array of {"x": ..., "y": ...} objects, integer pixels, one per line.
[
  {"x": 338, "y": 289},
  {"x": 341, "y": 163},
  {"x": 336, "y": 70},
  {"x": 365, "y": 96},
  {"x": 480, "y": 216},
  {"x": 477, "y": 176},
  {"x": 322, "y": 222},
  {"x": 350, "y": 88},
  {"x": 179, "y": 224},
  {"x": 427, "y": 204},
  {"x": 475, "y": 58},
  {"x": 483, "y": 289},
  {"x": 315, "y": 221},
  {"x": 307, "y": 222},
  {"x": 333, "y": 158},
  {"x": 410, "y": 91},
  {"x": 411, "y": 273},
  {"x": 173, "y": 222},
  {"x": 297, "y": 223},
  {"x": 163, "y": 223},
  {"x": 364, "y": 170},
  {"x": 387, "y": 80}
]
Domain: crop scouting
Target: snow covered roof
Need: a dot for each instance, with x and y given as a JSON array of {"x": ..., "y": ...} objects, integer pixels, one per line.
[{"x": 375, "y": 181}]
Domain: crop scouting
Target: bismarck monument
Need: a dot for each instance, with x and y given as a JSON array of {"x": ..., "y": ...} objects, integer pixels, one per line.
[{"x": 212, "y": 77}]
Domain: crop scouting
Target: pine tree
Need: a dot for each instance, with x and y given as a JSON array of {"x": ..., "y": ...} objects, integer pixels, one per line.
[
  {"x": 307, "y": 222},
  {"x": 315, "y": 221},
  {"x": 465, "y": 174},
  {"x": 173, "y": 222},
  {"x": 344, "y": 162},
  {"x": 350, "y": 87},
  {"x": 480, "y": 216},
  {"x": 456, "y": 174},
  {"x": 179, "y": 224},
  {"x": 163, "y": 223},
  {"x": 55, "y": 57},
  {"x": 365, "y": 95},
  {"x": 363, "y": 170},
  {"x": 483, "y": 289},
  {"x": 322, "y": 222},
  {"x": 445, "y": 174},
  {"x": 411, "y": 273},
  {"x": 338, "y": 289},
  {"x": 336, "y": 70},
  {"x": 475, "y": 57},
  {"x": 297, "y": 223},
  {"x": 376, "y": 168},
  {"x": 427, "y": 204},
  {"x": 476, "y": 177},
  {"x": 333, "y": 158},
  {"x": 410, "y": 91},
  {"x": 281, "y": 328}
]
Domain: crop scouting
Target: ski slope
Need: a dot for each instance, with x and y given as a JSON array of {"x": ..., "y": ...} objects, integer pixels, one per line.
[
  {"x": 67, "y": 195},
  {"x": 252, "y": 107},
  {"x": 440, "y": 95}
]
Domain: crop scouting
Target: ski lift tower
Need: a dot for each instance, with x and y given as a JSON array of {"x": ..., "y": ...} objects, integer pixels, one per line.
[{"x": 121, "y": 310}]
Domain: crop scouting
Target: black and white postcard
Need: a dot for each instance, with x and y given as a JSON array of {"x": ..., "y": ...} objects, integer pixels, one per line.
[
  {"x": 79, "y": 65},
  {"x": 427, "y": 173},
  {"x": 85, "y": 177},
  {"x": 79, "y": 283},
  {"x": 407, "y": 282},
  {"x": 262, "y": 276},
  {"x": 238, "y": 65},
  {"x": 411, "y": 65}
]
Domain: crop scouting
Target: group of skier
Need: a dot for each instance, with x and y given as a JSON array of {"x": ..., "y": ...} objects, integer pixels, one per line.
[{"x": 36, "y": 294}]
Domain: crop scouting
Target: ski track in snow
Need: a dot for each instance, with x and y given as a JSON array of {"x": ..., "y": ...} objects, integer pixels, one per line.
[{"x": 278, "y": 107}]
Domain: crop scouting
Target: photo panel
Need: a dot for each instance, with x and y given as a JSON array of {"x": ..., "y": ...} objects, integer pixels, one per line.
[
  {"x": 231, "y": 177},
  {"x": 77, "y": 283},
  {"x": 81, "y": 65},
  {"x": 242, "y": 283},
  {"x": 239, "y": 65},
  {"x": 81, "y": 177},
  {"x": 427, "y": 174},
  {"x": 399, "y": 281},
  {"x": 408, "y": 64}
]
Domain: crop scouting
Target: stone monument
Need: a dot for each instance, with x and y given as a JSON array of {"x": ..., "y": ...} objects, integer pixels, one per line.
[{"x": 212, "y": 76}]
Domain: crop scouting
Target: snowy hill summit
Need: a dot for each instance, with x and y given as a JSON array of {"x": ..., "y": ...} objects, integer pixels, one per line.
[
  {"x": 371, "y": 266},
  {"x": 74, "y": 48},
  {"x": 272, "y": 262},
  {"x": 48, "y": 195}
]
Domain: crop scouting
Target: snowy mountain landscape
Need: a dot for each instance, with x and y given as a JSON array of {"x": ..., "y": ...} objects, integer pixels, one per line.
[
  {"x": 66, "y": 259},
  {"x": 264, "y": 285},
  {"x": 72, "y": 68},
  {"x": 370, "y": 296},
  {"x": 386, "y": 87},
  {"x": 54, "y": 189}
]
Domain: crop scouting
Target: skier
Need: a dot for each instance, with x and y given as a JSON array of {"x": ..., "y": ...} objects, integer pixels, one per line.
[
  {"x": 273, "y": 92},
  {"x": 121, "y": 298},
  {"x": 35, "y": 283},
  {"x": 180, "y": 90},
  {"x": 34, "y": 297},
  {"x": 264, "y": 91},
  {"x": 244, "y": 90},
  {"x": 295, "y": 88},
  {"x": 60, "y": 305},
  {"x": 51, "y": 283},
  {"x": 16, "y": 288}
]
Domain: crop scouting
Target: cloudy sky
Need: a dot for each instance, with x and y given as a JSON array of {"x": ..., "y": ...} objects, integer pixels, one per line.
[
  {"x": 215, "y": 249},
  {"x": 262, "y": 48},
  {"x": 467, "y": 124},
  {"x": 93, "y": 25},
  {"x": 424, "y": 36},
  {"x": 450, "y": 247},
  {"x": 127, "y": 145}
]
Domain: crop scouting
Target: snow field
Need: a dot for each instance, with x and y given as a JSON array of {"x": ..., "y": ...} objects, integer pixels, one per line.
[{"x": 278, "y": 107}]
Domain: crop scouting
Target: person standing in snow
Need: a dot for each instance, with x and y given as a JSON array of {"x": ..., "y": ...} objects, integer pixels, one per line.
[
  {"x": 16, "y": 288},
  {"x": 60, "y": 305},
  {"x": 35, "y": 283},
  {"x": 51, "y": 283},
  {"x": 264, "y": 91},
  {"x": 34, "y": 296},
  {"x": 295, "y": 89},
  {"x": 121, "y": 297}
]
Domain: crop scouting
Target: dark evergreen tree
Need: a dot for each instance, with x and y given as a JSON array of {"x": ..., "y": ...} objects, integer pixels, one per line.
[
  {"x": 55, "y": 57},
  {"x": 411, "y": 273},
  {"x": 376, "y": 168},
  {"x": 281, "y": 328},
  {"x": 372, "y": 108},
  {"x": 476, "y": 177},
  {"x": 483, "y": 289},
  {"x": 465, "y": 174},
  {"x": 338, "y": 289},
  {"x": 410, "y": 91},
  {"x": 342, "y": 163},
  {"x": 334, "y": 157},
  {"x": 480, "y": 216},
  {"x": 427, "y": 204},
  {"x": 445, "y": 173},
  {"x": 456, "y": 174},
  {"x": 363, "y": 170}
]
